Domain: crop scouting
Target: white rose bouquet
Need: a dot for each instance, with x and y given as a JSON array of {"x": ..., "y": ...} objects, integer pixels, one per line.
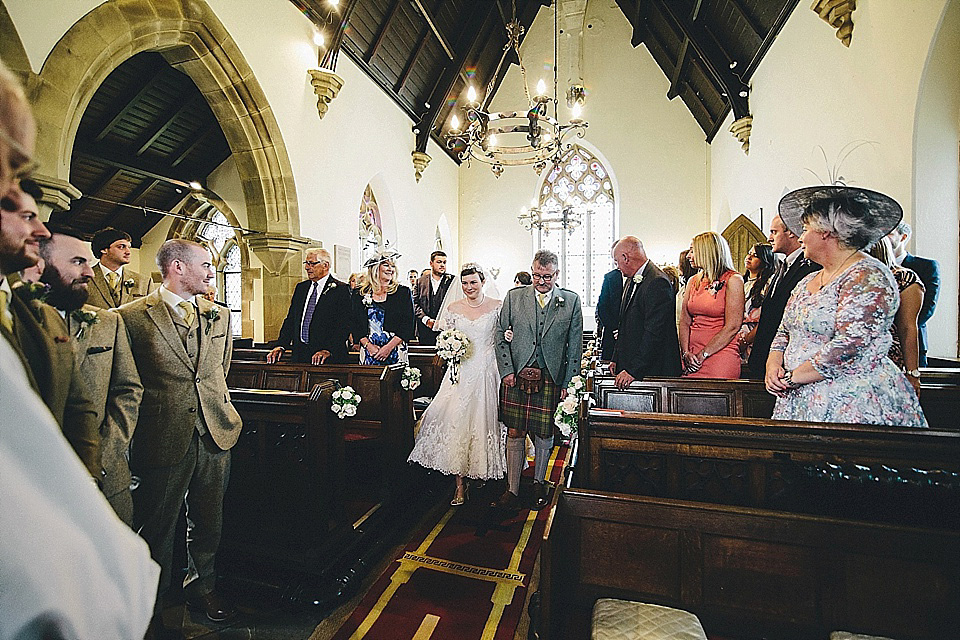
[
  {"x": 345, "y": 401},
  {"x": 452, "y": 346},
  {"x": 410, "y": 379},
  {"x": 568, "y": 411}
]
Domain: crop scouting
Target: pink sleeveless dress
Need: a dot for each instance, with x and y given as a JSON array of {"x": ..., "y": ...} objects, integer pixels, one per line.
[{"x": 706, "y": 306}]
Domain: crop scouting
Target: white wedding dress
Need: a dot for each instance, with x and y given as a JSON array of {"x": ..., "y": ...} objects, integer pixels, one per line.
[{"x": 460, "y": 433}]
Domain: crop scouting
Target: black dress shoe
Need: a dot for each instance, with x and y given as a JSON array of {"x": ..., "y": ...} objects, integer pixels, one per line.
[
  {"x": 540, "y": 494},
  {"x": 214, "y": 606},
  {"x": 509, "y": 501}
]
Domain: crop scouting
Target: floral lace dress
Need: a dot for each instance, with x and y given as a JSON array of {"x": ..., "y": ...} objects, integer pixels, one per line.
[
  {"x": 844, "y": 331},
  {"x": 460, "y": 432}
]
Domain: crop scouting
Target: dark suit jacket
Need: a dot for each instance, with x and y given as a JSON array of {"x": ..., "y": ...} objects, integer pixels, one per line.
[
  {"x": 647, "y": 344},
  {"x": 102, "y": 296},
  {"x": 771, "y": 313},
  {"x": 329, "y": 326},
  {"x": 425, "y": 303},
  {"x": 41, "y": 336},
  {"x": 929, "y": 273},
  {"x": 608, "y": 310},
  {"x": 397, "y": 312}
]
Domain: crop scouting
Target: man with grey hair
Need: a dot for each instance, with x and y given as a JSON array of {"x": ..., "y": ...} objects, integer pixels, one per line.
[
  {"x": 536, "y": 364},
  {"x": 317, "y": 323},
  {"x": 182, "y": 344},
  {"x": 928, "y": 270}
]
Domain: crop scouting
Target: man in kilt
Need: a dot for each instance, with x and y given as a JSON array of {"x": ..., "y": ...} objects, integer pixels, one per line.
[{"x": 536, "y": 364}]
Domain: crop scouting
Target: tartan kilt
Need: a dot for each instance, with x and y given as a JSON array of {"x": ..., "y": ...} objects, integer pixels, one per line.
[{"x": 530, "y": 412}]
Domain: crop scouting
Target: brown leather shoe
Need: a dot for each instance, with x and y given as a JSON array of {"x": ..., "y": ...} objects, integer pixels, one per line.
[
  {"x": 509, "y": 501},
  {"x": 216, "y": 607}
]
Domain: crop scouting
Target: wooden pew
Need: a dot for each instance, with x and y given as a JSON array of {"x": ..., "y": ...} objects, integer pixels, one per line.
[
  {"x": 747, "y": 398},
  {"x": 384, "y": 417},
  {"x": 762, "y": 528}
]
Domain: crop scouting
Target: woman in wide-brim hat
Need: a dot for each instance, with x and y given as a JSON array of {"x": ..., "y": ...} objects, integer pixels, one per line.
[
  {"x": 828, "y": 362},
  {"x": 382, "y": 312}
]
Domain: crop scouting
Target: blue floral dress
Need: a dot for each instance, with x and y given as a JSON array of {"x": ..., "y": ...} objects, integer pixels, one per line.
[
  {"x": 379, "y": 337},
  {"x": 844, "y": 331}
]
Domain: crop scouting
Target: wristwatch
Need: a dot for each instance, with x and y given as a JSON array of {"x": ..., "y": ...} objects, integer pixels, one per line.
[{"x": 913, "y": 373}]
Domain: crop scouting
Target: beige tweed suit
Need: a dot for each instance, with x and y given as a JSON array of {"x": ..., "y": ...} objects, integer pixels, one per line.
[
  {"x": 103, "y": 297},
  {"x": 185, "y": 429},
  {"x": 105, "y": 361}
]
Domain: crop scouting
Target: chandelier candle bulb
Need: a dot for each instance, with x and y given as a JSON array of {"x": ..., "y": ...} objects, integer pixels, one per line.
[
  {"x": 471, "y": 95},
  {"x": 454, "y": 124}
]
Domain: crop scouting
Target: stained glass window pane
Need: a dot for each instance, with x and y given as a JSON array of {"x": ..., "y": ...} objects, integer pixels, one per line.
[
  {"x": 233, "y": 287},
  {"x": 217, "y": 234},
  {"x": 581, "y": 181}
]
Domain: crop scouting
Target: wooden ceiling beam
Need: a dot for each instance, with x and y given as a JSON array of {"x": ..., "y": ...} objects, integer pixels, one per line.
[
  {"x": 711, "y": 55},
  {"x": 755, "y": 27},
  {"x": 108, "y": 177},
  {"x": 165, "y": 120},
  {"x": 378, "y": 39},
  {"x": 119, "y": 159},
  {"x": 432, "y": 23},
  {"x": 116, "y": 213},
  {"x": 778, "y": 24},
  {"x": 421, "y": 43},
  {"x": 184, "y": 152},
  {"x": 131, "y": 102}
]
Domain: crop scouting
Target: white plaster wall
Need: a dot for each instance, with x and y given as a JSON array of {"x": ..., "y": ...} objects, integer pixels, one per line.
[
  {"x": 936, "y": 170},
  {"x": 653, "y": 147},
  {"x": 811, "y": 92}
]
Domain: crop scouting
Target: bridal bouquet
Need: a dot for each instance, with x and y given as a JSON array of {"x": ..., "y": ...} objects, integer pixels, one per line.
[
  {"x": 410, "y": 379},
  {"x": 568, "y": 411},
  {"x": 345, "y": 401},
  {"x": 452, "y": 346}
]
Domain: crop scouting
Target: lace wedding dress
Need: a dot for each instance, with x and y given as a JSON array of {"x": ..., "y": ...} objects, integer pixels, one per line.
[{"x": 460, "y": 433}]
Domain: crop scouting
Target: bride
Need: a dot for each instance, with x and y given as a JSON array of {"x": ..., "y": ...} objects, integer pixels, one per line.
[{"x": 460, "y": 432}]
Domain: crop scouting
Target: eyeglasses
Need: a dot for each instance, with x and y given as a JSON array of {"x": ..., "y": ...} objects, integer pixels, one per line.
[
  {"x": 312, "y": 263},
  {"x": 546, "y": 278}
]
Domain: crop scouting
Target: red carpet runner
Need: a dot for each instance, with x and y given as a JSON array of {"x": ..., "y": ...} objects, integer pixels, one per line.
[{"x": 465, "y": 577}]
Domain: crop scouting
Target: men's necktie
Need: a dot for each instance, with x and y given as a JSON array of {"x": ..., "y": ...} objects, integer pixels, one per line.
[
  {"x": 187, "y": 309},
  {"x": 627, "y": 292},
  {"x": 777, "y": 276},
  {"x": 308, "y": 314},
  {"x": 542, "y": 299},
  {"x": 113, "y": 278},
  {"x": 6, "y": 318}
]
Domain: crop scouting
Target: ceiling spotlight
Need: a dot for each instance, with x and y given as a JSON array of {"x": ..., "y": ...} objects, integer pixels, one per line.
[
  {"x": 733, "y": 65},
  {"x": 196, "y": 186},
  {"x": 318, "y": 38}
]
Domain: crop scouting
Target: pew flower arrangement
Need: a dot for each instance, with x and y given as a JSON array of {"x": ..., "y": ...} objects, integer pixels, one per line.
[
  {"x": 567, "y": 411},
  {"x": 452, "y": 346},
  {"x": 410, "y": 379},
  {"x": 344, "y": 402}
]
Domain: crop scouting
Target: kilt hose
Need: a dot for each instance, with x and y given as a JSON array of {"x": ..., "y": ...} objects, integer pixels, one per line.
[{"x": 530, "y": 412}]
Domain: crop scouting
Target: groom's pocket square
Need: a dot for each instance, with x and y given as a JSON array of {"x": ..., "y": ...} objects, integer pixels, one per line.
[{"x": 98, "y": 349}]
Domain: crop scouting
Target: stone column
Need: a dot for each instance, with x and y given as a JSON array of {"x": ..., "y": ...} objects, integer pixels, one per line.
[
  {"x": 57, "y": 195},
  {"x": 280, "y": 255}
]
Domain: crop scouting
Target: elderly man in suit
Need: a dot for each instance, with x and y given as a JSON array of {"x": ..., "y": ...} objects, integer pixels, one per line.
[
  {"x": 102, "y": 357},
  {"x": 428, "y": 297},
  {"x": 182, "y": 345},
  {"x": 928, "y": 270},
  {"x": 113, "y": 283},
  {"x": 647, "y": 343},
  {"x": 318, "y": 321},
  {"x": 535, "y": 366},
  {"x": 788, "y": 275}
]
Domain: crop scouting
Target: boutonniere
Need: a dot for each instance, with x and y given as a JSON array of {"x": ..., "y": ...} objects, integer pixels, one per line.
[
  {"x": 367, "y": 300},
  {"x": 128, "y": 284},
  {"x": 638, "y": 277},
  {"x": 85, "y": 319},
  {"x": 333, "y": 285},
  {"x": 715, "y": 287},
  {"x": 558, "y": 301},
  {"x": 34, "y": 290},
  {"x": 212, "y": 315}
]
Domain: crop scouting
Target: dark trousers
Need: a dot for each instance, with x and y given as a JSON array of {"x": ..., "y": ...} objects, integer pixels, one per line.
[{"x": 199, "y": 479}]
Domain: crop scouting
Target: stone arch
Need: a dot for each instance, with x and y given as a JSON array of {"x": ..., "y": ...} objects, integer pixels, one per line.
[{"x": 192, "y": 38}]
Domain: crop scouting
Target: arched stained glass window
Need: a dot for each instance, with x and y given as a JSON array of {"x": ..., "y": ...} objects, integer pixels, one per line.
[
  {"x": 220, "y": 237},
  {"x": 581, "y": 181},
  {"x": 371, "y": 226},
  {"x": 218, "y": 232},
  {"x": 233, "y": 287}
]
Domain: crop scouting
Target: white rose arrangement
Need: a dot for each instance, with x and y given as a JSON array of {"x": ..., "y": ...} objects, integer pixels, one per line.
[
  {"x": 452, "y": 346},
  {"x": 410, "y": 379},
  {"x": 345, "y": 401},
  {"x": 568, "y": 411}
]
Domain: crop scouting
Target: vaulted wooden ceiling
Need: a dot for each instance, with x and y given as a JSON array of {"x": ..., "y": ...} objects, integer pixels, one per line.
[
  {"x": 148, "y": 131},
  {"x": 145, "y": 135}
]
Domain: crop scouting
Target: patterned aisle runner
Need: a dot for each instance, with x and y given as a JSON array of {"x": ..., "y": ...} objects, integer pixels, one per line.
[{"x": 464, "y": 578}]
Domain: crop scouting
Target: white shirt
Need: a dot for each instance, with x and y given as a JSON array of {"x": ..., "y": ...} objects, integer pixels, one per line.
[
  {"x": 107, "y": 271},
  {"x": 174, "y": 299},
  {"x": 68, "y": 566}
]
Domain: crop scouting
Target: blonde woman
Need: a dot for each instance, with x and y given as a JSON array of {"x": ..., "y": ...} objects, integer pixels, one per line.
[
  {"x": 712, "y": 311},
  {"x": 382, "y": 313}
]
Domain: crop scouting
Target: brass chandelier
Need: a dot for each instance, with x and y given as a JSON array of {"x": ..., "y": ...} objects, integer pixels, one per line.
[
  {"x": 530, "y": 136},
  {"x": 566, "y": 218}
]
